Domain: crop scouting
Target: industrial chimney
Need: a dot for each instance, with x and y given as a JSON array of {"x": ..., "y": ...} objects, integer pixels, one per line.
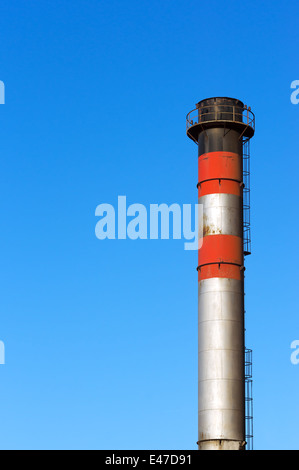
[{"x": 222, "y": 129}]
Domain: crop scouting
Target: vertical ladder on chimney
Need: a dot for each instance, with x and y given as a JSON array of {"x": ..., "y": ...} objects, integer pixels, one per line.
[
  {"x": 246, "y": 197},
  {"x": 248, "y": 400}
]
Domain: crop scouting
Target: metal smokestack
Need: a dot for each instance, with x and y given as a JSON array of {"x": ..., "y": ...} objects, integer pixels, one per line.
[{"x": 222, "y": 127}]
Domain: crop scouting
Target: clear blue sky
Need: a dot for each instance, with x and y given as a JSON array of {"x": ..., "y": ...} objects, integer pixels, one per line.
[{"x": 101, "y": 336}]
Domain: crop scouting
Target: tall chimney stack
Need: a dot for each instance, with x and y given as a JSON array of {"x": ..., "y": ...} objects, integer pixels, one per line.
[{"x": 222, "y": 128}]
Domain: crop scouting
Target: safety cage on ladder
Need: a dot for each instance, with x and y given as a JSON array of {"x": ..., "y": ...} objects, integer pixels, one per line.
[
  {"x": 248, "y": 400},
  {"x": 246, "y": 197}
]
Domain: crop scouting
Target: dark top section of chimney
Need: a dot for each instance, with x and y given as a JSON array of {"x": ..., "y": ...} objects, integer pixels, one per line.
[
  {"x": 220, "y": 112},
  {"x": 220, "y": 100},
  {"x": 222, "y": 109}
]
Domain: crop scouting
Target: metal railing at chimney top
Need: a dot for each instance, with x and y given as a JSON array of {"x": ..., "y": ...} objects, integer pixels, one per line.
[{"x": 220, "y": 113}]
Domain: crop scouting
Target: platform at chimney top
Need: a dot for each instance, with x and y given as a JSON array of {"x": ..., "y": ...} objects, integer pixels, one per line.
[{"x": 227, "y": 113}]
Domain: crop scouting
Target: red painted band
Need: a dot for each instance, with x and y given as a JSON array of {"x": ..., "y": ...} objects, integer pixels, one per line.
[
  {"x": 220, "y": 248},
  {"x": 215, "y": 165},
  {"x": 229, "y": 271},
  {"x": 220, "y": 186}
]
